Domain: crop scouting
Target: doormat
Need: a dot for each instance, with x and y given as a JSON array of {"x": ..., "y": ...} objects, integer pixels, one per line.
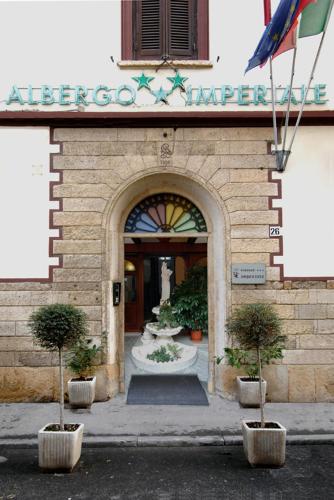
[{"x": 166, "y": 390}]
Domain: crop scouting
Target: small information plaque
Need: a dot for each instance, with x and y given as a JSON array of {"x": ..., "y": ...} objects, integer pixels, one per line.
[{"x": 249, "y": 274}]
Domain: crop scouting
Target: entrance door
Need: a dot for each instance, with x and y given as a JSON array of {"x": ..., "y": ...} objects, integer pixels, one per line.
[
  {"x": 143, "y": 275},
  {"x": 133, "y": 294}
]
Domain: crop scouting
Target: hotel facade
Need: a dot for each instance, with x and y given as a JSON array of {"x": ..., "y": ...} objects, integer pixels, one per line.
[{"x": 133, "y": 137}]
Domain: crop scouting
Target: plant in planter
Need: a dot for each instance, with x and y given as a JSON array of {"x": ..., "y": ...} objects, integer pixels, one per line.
[
  {"x": 248, "y": 385},
  {"x": 80, "y": 360},
  {"x": 165, "y": 353},
  {"x": 257, "y": 328},
  {"x": 56, "y": 327},
  {"x": 166, "y": 317},
  {"x": 190, "y": 302}
]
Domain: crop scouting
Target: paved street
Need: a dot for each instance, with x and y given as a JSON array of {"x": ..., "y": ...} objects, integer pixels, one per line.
[{"x": 171, "y": 473}]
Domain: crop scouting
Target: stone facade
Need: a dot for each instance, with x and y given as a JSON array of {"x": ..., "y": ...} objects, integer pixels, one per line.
[{"x": 234, "y": 164}]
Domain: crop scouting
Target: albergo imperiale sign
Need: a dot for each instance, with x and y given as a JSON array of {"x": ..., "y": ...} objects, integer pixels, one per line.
[{"x": 126, "y": 95}]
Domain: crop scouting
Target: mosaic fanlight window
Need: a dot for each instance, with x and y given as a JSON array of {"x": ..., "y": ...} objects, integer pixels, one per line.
[{"x": 165, "y": 213}]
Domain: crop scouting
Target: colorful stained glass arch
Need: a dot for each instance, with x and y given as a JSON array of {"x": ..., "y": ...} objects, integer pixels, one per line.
[{"x": 165, "y": 213}]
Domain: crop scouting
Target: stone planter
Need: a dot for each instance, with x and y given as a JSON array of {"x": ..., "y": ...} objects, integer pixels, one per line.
[
  {"x": 264, "y": 446},
  {"x": 59, "y": 449},
  {"x": 164, "y": 335},
  {"x": 249, "y": 394},
  {"x": 81, "y": 393}
]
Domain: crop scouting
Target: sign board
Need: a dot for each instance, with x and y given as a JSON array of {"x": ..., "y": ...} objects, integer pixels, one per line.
[
  {"x": 128, "y": 94},
  {"x": 249, "y": 274}
]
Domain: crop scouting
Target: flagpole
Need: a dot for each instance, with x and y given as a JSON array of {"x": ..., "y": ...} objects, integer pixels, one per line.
[
  {"x": 273, "y": 104},
  {"x": 287, "y": 116},
  {"x": 309, "y": 84}
]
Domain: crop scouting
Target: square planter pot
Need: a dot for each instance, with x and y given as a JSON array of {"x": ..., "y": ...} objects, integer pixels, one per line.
[
  {"x": 59, "y": 449},
  {"x": 249, "y": 394},
  {"x": 264, "y": 446},
  {"x": 81, "y": 393}
]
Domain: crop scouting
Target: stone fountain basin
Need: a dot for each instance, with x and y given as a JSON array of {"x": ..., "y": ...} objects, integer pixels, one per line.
[
  {"x": 163, "y": 332},
  {"x": 140, "y": 352}
]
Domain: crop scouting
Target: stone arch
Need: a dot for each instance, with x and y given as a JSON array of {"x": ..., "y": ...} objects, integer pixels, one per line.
[{"x": 208, "y": 200}]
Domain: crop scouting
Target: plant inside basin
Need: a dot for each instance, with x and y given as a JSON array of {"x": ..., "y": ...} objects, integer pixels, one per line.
[
  {"x": 166, "y": 317},
  {"x": 57, "y": 327},
  {"x": 166, "y": 353}
]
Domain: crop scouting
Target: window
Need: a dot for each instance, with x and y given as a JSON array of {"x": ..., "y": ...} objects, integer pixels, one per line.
[
  {"x": 165, "y": 213},
  {"x": 154, "y": 29}
]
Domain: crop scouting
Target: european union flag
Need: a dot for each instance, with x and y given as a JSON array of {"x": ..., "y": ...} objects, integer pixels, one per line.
[{"x": 275, "y": 32}]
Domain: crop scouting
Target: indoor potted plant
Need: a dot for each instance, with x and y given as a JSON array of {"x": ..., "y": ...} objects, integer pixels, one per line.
[
  {"x": 257, "y": 328},
  {"x": 56, "y": 327},
  {"x": 80, "y": 360},
  {"x": 248, "y": 391},
  {"x": 192, "y": 311},
  {"x": 190, "y": 302}
]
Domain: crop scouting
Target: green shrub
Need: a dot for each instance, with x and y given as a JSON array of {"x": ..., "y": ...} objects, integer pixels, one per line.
[
  {"x": 238, "y": 358},
  {"x": 57, "y": 326},
  {"x": 80, "y": 359},
  {"x": 189, "y": 300}
]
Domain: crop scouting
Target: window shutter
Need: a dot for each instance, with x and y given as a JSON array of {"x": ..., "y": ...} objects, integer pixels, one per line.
[
  {"x": 148, "y": 20},
  {"x": 181, "y": 29}
]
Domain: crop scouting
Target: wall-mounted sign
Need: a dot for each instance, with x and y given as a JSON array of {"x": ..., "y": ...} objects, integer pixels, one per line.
[
  {"x": 249, "y": 274},
  {"x": 126, "y": 94}
]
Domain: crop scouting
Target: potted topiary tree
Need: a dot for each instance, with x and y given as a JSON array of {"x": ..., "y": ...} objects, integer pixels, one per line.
[
  {"x": 190, "y": 302},
  {"x": 257, "y": 328},
  {"x": 80, "y": 360},
  {"x": 248, "y": 391},
  {"x": 56, "y": 327}
]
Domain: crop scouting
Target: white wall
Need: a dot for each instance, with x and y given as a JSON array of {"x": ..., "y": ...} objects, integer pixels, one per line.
[
  {"x": 70, "y": 42},
  {"x": 24, "y": 203},
  {"x": 308, "y": 205}
]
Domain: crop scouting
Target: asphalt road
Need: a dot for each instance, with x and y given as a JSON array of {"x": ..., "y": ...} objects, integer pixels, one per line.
[{"x": 171, "y": 474}]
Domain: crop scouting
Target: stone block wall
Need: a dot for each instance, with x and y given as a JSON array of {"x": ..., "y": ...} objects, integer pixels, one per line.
[{"x": 235, "y": 164}]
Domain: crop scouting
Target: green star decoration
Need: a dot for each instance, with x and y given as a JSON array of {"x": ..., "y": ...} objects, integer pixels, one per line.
[
  {"x": 143, "y": 81},
  {"x": 160, "y": 95},
  {"x": 177, "y": 80}
]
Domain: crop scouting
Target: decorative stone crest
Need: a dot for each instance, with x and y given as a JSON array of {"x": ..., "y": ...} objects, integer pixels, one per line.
[{"x": 165, "y": 155}]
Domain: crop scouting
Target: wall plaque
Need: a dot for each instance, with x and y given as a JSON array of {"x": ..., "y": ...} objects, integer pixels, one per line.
[{"x": 248, "y": 274}]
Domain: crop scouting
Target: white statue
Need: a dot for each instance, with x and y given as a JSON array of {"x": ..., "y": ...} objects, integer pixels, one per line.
[{"x": 165, "y": 283}]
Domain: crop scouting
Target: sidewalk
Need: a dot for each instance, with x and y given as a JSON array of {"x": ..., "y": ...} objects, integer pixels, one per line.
[{"x": 114, "y": 423}]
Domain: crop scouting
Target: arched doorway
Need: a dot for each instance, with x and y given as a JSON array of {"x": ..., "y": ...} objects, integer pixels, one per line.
[
  {"x": 210, "y": 205},
  {"x": 164, "y": 229},
  {"x": 184, "y": 242}
]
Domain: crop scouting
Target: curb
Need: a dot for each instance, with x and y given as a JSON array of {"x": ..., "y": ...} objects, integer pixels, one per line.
[{"x": 100, "y": 441}]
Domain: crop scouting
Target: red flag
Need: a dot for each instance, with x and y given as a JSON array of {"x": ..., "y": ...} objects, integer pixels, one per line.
[
  {"x": 267, "y": 11},
  {"x": 289, "y": 41}
]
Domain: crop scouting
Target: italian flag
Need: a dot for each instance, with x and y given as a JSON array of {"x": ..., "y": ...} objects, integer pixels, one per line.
[{"x": 315, "y": 17}]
